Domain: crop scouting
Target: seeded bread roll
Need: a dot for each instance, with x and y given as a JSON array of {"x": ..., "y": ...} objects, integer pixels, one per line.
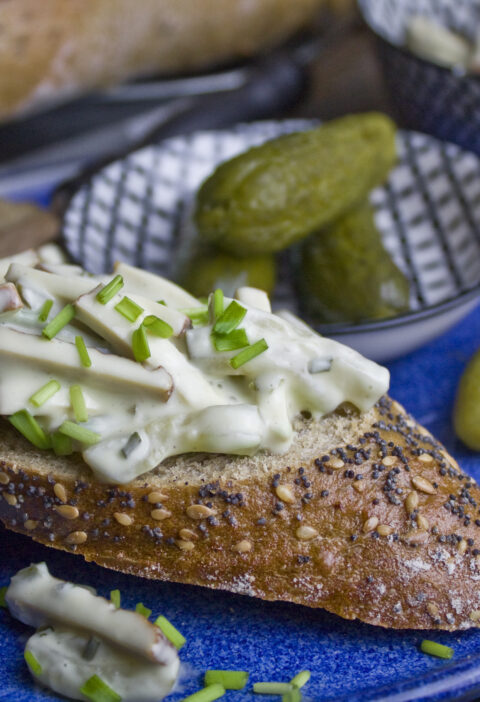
[
  {"x": 54, "y": 49},
  {"x": 366, "y": 516}
]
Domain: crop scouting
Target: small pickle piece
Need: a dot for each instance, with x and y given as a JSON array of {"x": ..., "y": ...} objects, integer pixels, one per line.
[
  {"x": 348, "y": 276},
  {"x": 276, "y": 194},
  {"x": 466, "y": 413},
  {"x": 210, "y": 269}
]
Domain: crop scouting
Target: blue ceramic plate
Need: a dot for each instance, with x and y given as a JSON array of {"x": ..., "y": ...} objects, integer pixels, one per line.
[{"x": 348, "y": 660}]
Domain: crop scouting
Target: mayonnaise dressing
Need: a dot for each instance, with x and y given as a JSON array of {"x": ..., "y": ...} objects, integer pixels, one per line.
[
  {"x": 202, "y": 403},
  {"x": 82, "y": 635}
]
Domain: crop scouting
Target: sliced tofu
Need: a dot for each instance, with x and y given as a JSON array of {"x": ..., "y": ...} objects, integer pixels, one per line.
[
  {"x": 155, "y": 287},
  {"x": 59, "y": 357}
]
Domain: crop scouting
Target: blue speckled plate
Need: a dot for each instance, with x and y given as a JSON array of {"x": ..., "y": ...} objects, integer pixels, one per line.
[{"x": 348, "y": 660}]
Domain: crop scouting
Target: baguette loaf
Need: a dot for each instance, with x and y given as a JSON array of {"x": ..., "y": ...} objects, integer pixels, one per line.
[
  {"x": 366, "y": 516},
  {"x": 53, "y": 49}
]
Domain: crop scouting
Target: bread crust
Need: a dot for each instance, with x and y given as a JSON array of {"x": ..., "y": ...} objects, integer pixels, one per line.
[
  {"x": 53, "y": 49},
  {"x": 383, "y": 529}
]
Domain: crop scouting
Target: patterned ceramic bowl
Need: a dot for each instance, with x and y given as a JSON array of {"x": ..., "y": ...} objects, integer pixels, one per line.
[
  {"x": 428, "y": 213},
  {"x": 425, "y": 96}
]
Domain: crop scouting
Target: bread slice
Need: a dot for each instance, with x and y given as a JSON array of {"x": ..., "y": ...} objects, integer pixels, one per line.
[{"x": 366, "y": 516}]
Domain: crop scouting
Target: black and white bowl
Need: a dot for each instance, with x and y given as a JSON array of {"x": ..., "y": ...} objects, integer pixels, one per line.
[
  {"x": 428, "y": 213},
  {"x": 428, "y": 97}
]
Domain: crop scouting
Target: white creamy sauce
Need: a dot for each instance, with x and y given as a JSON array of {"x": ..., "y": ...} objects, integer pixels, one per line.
[
  {"x": 186, "y": 396},
  {"x": 82, "y": 635}
]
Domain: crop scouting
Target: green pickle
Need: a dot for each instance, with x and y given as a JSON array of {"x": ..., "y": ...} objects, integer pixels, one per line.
[
  {"x": 207, "y": 270},
  {"x": 348, "y": 276},
  {"x": 466, "y": 414},
  {"x": 276, "y": 194}
]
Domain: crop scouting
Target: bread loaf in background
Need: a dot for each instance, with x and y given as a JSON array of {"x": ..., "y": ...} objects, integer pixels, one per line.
[
  {"x": 53, "y": 49},
  {"x": 366, "y": 516}
]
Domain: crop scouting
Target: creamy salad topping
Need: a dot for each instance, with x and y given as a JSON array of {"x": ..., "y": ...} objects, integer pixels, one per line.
[{"x": 130, "y": 369}]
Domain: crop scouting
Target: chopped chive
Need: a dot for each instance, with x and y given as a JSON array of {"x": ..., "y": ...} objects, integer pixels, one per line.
[
  {"x": 96, "y": 690},
  {"x": 82, "y": 352},
  {"x": 172, "y": 634},
  {"x": 45, "y": 393},
  {"x": 144, "y": 611},
  {"x": 61, "y": 444},
  {"x": 132, "y": 443},
  {"x": 230, "y": 319},
  {"x": 436, "y": 649},
  {"x": 129, "y": 309},
  {"x": 157, "y": 327},
  {"x": 32, "y": 663},
  {"x": 3, "y": 591},
  {"x": 110, "y": 290},
  {"x": 59, "y": 321},
  {"x": 229, "y": 679},
  {"x": 91, "y": 648},
  {"x": 272, "y": 688},
  {"x": 301, "y": 678},
  {"x": 209, "y": 693},
  {"x": 116, "y": 598},
  {"x": 237, "y": 339},
  {"x": 293, "y": 696},
  {"x": 82, "y": 434},
  {"x": 77, "y": 401},
  {"x": 217, "y": 303},
  {"x": 161, "y": 302},
  {"x": 30, "y": 428},
  {"x": 140, "y": 347},
  {"x": 198, "y": 315},
  {"x": 247, "y": 354},
  {"x": 45, "y": 310}
]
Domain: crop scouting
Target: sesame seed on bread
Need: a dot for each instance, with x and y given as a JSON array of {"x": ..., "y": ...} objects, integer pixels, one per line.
[{"x": 366, "y": 516}]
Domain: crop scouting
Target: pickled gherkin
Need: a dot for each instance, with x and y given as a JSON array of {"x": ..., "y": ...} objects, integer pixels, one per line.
[
  {"x": 276, "y": 194},
  {"x": 208, "y": 269},
  {"x": 348, "y": 276},
  {"x": 466, "y": 415}
]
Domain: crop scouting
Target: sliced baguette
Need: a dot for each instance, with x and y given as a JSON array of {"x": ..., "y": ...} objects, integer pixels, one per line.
[{"x": 397, "y": 544}]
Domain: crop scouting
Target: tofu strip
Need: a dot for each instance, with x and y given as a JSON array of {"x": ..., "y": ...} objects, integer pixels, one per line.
[{"x": 37, "y": 598}]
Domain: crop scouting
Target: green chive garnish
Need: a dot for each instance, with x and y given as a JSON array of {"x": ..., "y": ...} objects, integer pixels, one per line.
[
  {"x": 30, "y": 428},
  {"x": 59, "y": 321},
  {"x": 217, "y": 303},
  {"x": 77, "y": 401},
  {"x": 157, "y": 327},
  {"x": 229, "y": 679},
  {"x": 144, "y": 611},
  {"x": 161, "y": 302},
  {"x": 212, "y": 692},
  {"x": 198, "y": 315},
  {"x": 133, "y": 441},
  {"x": 129, "y": 309},
  {"x": 293, "y": 696},
  {"x": 110, "y": 290},
  {"x": 82, "y": 352},
  {"x": 140, "y": 347},
  {"x": 115, "y": 597},
  {"x": 247, "y": 354},
  {"x": 82, "y": 434},
  {"x": 45, "y": 393},
  {"x": 230, "y": 319},
  {"x": 61, "y": 444},
  {"x": 172, "y": 634},
  {"x": 237, "y": 339},
  {"x": 32, "y": 663},
  {"x": 3, "y": 591},
  {"x": 45, "y": 310},
  {"x": 96, "y": 690},
  {"x": 301, "y": 678},
  {"x": 436, "y": 649},
  {"x": 272, "y": 688}
]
